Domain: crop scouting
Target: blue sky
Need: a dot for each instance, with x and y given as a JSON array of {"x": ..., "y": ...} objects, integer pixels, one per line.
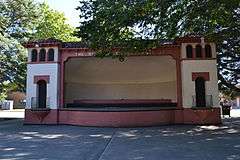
[{"x": 67, "y": 7}]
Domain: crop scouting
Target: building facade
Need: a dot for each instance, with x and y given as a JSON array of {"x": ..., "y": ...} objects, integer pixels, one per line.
[{"x": 175, "y": 83}]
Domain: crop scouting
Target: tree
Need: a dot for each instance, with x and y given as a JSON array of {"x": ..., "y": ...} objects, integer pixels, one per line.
[
  {"x": 127, "y": 24},
  {"x": 21, "y": 20},
  {"x": 52, "y": 24},
  {"x": 130, "y": 25},
  {"x": 18, "y": 19}
]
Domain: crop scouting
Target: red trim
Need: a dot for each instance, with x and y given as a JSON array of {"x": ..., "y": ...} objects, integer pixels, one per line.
[
  {"x": 172, "y": 50},
  {"x": 41, "y": 77},
  {"x": 204, "y": 75},
  {"x": 122, "y": 101},
  {"x": 76, "y": 49},
  {"x": 127, "y": 119},
  {"x": 179, "y": 40},
  {"x": 33, "y": 45},
  {"x": 203, "y": 52},
  {"x": 43, "y": 62},
  {"x": 198, "y": 59},
  {"x": 190, "y": 39},
  {"x": 194, "y": 53},
  {"x": 62, "y": 76},
  {"x": 179, "y": 82}
]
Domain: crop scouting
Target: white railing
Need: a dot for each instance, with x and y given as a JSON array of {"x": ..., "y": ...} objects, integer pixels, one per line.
[
  {"x": 34, "y": 102},
  {"x": 209, "y": 101}
]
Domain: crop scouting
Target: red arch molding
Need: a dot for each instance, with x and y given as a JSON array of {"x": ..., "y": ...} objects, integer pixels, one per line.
[
  {"x": 170, "y": 50},
  {"x": 41, "y": 77}
]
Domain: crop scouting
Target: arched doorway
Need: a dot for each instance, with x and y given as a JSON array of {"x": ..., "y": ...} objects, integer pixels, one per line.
[
  {"x": 42, "y": 94},
  {"x": 200, "y": 92}
]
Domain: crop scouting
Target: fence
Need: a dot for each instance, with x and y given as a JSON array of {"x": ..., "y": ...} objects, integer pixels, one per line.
[
  {"x": 35, "y": 104},
  {"x": 209, "y": 101}
]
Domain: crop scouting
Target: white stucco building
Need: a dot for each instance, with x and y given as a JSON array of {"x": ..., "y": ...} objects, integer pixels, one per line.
[{"x": 175, "y": 83}]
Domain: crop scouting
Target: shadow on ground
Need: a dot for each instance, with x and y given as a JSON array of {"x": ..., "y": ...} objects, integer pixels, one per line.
[{"x": 46, "y": 142}]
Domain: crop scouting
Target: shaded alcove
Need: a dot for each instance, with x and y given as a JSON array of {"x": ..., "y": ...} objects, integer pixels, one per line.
[{"x": 136, "y": 78}]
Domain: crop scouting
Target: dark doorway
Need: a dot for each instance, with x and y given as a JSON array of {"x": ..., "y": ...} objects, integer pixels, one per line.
[
  {"x": 42, "y": 94},
  {"x": 200, "y": 92}
]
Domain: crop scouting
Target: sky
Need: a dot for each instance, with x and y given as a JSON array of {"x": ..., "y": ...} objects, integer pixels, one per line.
[{"x": 67, "y": 7}]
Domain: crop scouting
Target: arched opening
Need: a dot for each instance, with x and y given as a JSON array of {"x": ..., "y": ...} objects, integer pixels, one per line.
[
  {"x": 200, "y": 92},
  {"x": 120, "y": 85},
  {"x": 189, "y": 51},
  {"x": 208, "y": 51},
  {"x": 42, "y": 94},
  {"x": 42, "y": 55},
  {"x": 34, "y": 55},
  {"x": 199, "y": 51},
  {"x": 51, "y": 54}
]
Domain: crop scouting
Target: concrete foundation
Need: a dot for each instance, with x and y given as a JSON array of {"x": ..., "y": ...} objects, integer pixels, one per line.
[{"x": 124, "y": 118}]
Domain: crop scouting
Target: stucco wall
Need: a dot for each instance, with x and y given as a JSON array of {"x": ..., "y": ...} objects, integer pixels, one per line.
[
  {"x": 52, "y": 87},
  {"x": 188, "y": 86},
  {"x": 152, "y": 77},
  {"x": 165, "y": 90}
]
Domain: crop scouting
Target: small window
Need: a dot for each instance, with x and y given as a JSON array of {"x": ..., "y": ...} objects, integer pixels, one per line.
[
  {"x": 208, "y": 51},
  {"x": 189, "y": 51},
  {"x": 51, "y": 54},
  {"x": 34, "y": 55},
  {"x": 42, "y": 55},
  {"x": 199, "y": 51}
]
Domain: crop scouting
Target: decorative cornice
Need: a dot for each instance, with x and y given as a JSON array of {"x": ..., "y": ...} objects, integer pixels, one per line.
[{"x": 51, "y": 42}]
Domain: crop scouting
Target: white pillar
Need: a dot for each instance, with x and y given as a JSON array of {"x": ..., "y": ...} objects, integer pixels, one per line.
[{"x": 238, "y": 102}]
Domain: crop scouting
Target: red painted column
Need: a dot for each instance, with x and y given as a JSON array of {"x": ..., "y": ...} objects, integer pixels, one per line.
[
  {"x": 194, "y": 52},
  {"x": 179, "y": 82},
  {"x": 203, "y": 52},
  {"x": 62, "y": 81}
]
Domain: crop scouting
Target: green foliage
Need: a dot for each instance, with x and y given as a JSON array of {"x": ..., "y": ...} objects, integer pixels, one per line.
[
  {"x": 3, "y": 92},
  {"x": 127, "y": 24},
  {"x": 136, "y": 26},
  {"x": 12, "y": 62},
  {"x": 18, "y": 18},
  {"x": 52, "y": 24},
  {"x": 12, "y": 66},
  {"x": 21, "y": 20},
  {"x": 15, "y": 28}
]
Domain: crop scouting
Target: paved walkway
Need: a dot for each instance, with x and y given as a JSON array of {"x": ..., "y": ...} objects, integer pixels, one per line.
[
  {"x": 235, "y": 112},
  {"x": 52, "y": 142}
]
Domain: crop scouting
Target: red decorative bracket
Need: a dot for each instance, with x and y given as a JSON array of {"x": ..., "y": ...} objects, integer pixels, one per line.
[
  {"x": 204, "y": 75},
  {"x": 41, "y": 77}
]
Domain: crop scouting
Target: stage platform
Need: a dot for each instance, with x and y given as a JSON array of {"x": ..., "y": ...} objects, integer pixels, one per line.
[
  {"x": 123, "y": 113},
  {"x": 124, "y": 118},
  {"x": 122, "y": 104},
  {"x": 117, "y": 108}
]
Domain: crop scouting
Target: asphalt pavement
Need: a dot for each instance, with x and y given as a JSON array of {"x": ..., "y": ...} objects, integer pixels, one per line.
[{"x": 63, "y": 142}]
